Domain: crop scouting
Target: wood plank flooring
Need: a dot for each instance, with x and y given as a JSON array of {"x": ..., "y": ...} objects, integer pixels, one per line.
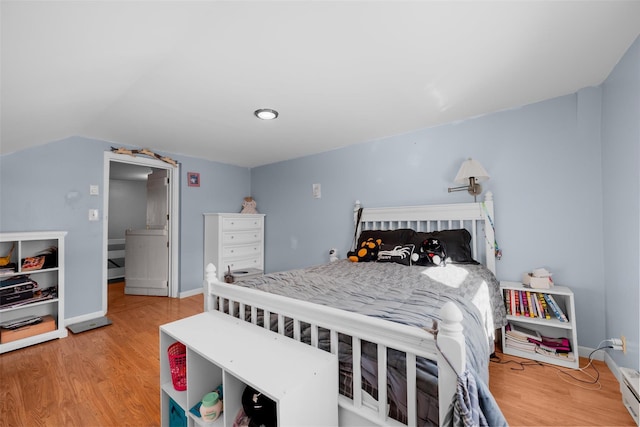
[
  {"x": 110, "y": 377},
  {"x": 533, "y": 394}
]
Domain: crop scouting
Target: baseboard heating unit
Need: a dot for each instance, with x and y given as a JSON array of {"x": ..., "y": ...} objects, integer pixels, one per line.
[{"x": 629, "y": 387}]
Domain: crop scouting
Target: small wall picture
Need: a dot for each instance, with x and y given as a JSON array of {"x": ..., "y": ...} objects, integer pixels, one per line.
[{"x": 194, "y": 179}]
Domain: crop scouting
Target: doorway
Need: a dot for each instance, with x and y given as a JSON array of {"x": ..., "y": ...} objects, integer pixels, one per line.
[{"x": 126, "y": 167}]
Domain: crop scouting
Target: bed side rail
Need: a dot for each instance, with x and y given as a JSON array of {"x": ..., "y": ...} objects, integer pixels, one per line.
[{"x": 414, "y": 342}]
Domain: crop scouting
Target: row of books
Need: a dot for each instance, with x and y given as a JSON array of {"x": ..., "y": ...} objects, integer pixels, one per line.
[
  {"x": 533, "y": 304},
  {"x": 529, "y": 340}
]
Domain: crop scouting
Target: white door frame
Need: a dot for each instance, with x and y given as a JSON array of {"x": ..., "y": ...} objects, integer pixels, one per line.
[{"x": 173, "y": 173}]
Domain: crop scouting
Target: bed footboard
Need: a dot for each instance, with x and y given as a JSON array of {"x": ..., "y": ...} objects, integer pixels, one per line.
[{"x": 362, "y": 408}]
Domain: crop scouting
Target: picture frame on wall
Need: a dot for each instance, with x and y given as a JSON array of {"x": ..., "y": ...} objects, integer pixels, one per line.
[{"x": 193, "y": 179}]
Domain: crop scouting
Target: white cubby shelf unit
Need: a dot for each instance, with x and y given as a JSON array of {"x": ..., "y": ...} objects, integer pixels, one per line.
[
  {"x": 30, "y": 244},
  {"x": 302, "y": 380}
]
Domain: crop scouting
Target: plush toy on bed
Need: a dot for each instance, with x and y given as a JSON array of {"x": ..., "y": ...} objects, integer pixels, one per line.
[
  {"x": 431, "y": 253},
  {"x": 368, "y": 251}
]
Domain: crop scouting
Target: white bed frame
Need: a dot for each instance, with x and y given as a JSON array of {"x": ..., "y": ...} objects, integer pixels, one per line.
[{"x": 363, "y": 410}]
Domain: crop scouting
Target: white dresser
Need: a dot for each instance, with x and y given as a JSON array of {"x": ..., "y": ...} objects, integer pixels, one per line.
[{"x": 234, "y": 240}]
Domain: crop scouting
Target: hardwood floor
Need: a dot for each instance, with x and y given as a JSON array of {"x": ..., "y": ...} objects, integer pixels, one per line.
[
  {"x": 103, "y": 377},
  {"x": 109, "y": 377},
  {"x": 532, "y": 394}
]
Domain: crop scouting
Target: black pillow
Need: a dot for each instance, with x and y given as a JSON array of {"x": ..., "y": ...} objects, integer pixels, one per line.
[
  {"x": 400, "y": 236},
  {"x": 400, "y": 254},
  {"x": 457, "y": 244}
]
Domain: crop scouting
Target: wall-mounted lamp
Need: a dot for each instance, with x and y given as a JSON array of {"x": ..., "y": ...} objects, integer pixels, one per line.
[{"x": 471, "y": 173}]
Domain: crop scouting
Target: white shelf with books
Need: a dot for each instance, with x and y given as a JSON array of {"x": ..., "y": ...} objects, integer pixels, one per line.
[
  {"x": 541, "y": 324},
  {"x": 31, "y": 288}
]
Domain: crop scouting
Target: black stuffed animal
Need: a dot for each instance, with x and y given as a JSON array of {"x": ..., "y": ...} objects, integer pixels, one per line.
[
  {"x": 431, "y": 253},
  {"x": 368, "y": 251}
]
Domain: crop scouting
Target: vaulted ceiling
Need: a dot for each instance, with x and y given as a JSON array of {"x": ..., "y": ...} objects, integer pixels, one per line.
[{"x": 186, "y": 76}]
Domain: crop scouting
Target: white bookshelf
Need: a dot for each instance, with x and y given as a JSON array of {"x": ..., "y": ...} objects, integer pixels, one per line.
[
  {"x": 547, "y": 327},
  {"x": 30, "y": 244}
]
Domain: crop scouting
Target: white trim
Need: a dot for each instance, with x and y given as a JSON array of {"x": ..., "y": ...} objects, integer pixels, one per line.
[
  {"x": 83, "y": 318},
  {"x": 192, "y": 292},
  {"x": 173, "y": 173}
]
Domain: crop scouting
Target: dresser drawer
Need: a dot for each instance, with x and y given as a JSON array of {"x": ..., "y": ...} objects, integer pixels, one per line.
[
  {"x": 241, "y": 251},
  {"x": 230, "y": 224},
  {"x": 242, "y": 264},
  {"x": 241, "y": 237}
]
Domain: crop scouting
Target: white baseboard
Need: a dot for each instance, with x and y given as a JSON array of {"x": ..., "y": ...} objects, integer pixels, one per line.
[
  {"x": 615, "y": 369},
  {"x": 83, "y": 318},
  {"x": 190, "y": 293},
  {"x": 602, "y": 356},
  {"x": 586, "y": 351}
]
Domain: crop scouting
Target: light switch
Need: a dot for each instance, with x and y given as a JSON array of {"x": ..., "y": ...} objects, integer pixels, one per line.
[
  {"x": 317, "y": 192},
  {"x": 93, "y": 214}
]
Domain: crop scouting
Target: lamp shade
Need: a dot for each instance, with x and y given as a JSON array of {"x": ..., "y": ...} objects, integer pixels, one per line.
[{"x": 471, "y": 168}]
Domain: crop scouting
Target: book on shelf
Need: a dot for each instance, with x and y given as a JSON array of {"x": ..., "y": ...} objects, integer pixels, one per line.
[
  {"x": 558, "y": 345},
  {"x": 519, "y": 331},
  {"x": 522, "y": 346},
  {"x": 8, "y": 270},
  {"x": 543, "y": 305},
  {"x": 553, "y": 354},
  {"x": 555, "y": 308},
  {"x": 535, "y": 305}
]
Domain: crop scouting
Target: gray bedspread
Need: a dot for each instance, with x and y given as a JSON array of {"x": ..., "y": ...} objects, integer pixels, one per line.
[{"x": 410, "y": 295}]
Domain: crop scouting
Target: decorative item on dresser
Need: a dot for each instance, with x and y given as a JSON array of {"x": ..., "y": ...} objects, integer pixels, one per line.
[
  {"x": 377, "y": 317},
  {"x": 235, "y": 242},
  {"x": 31, "y": 289}
]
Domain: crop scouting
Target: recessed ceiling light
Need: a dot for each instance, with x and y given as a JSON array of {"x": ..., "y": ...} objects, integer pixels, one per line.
[{"x": 266, "y": 113}]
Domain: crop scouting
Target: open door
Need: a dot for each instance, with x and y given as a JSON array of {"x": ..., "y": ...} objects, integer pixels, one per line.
[
  {"x": 162, "y": 224},
  {"x": 147, "y": 250}
]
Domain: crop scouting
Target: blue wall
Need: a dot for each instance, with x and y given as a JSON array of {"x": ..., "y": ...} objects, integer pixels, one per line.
[
  {"x": 564, "y": 173},
  {"x": 47, "y": 188},
  {"x": 545, "y": 165},
  {"x": 621, "y": 178}
]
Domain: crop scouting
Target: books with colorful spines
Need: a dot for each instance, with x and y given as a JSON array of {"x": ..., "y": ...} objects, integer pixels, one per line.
[
  {"x": 521, "y": 303},
  {"x": 536, "y": 305},
  {"x": 552, "y": 308},
  {"x": 543, "y": 303},
  {"x": 531, "y": 309},
  {"x": 514, "y": 303},
  {"x": 523, "y": 298},
  {"x": 507, "y": 300},
  {"x": 551, "y": 303},
  {"x": 559, "y": 308}
]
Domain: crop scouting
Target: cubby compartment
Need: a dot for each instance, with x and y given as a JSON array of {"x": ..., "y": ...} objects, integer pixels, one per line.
[
  {"x": 224, "y": 350},
  {"x": 32, "y": 292}
]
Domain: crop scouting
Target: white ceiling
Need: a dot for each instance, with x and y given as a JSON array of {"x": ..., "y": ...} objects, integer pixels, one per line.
[{"x": 185, "y": 77}]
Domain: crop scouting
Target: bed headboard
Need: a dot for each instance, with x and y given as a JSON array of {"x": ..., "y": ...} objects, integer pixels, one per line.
[{"x": 476, "y": 217}]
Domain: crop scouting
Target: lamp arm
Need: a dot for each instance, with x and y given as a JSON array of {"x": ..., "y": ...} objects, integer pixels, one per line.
[
  {"x": 470, "y": 188},
  {"x": 461, "y": 188}
]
